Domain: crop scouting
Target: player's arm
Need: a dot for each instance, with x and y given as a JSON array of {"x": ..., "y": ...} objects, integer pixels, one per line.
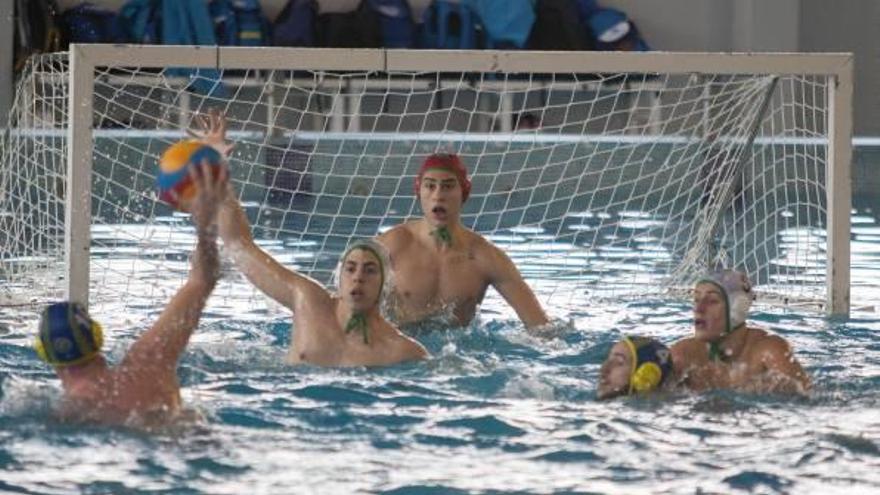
[
  {"x": 784, "y": 372},
  {"x": 507, "y": 280},
  {"x": 275, "y": 280},
  {"x": 162, "y": 345}
]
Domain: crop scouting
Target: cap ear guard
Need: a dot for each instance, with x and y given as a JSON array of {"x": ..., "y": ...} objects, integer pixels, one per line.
[
  {"x": 651, "y": 362},
  {"x": 646, "y": 378}
]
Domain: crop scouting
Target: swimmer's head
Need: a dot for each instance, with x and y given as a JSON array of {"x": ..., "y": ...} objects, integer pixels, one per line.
[
  {"x": 442, "y": 186},
  {"x": 721, "y": 303},
  {"x": 362, "y": 277},
  {"x": 634, "y": 365},
  {"x": 67, "y": 335}
]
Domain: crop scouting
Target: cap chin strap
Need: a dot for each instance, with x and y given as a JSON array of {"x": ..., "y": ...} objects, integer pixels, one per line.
[
  {"x": 358, "y": 322},
  {"x": 443, "y": 235},
  {"x": 715, "y": 352},
  {"x": 634, "y": 358}
]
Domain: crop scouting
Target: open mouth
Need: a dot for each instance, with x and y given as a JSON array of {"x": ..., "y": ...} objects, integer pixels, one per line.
[
  {"x": 438, "y": 212},
  {"x": 699, "y": 323}
]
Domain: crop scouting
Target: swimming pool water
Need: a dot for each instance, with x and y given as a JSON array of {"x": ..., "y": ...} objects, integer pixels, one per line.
[{"x": 493, "y": 410}]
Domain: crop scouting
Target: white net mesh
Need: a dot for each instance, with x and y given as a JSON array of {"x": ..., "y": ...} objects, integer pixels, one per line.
[{"x": 597, "y": 185}]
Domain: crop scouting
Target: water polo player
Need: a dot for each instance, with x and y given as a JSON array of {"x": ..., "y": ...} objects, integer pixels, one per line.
[
  {"x": 343, "y": 328},
  {"x": 443, "y": 268},
  {"x": 634, "y": 365},
  {"x": 725, "y": 352},
  {"x": 143, "y": 388}
]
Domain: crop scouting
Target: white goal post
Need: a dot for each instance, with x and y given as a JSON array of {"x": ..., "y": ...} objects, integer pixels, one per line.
[{"x": 637, "y": 172}]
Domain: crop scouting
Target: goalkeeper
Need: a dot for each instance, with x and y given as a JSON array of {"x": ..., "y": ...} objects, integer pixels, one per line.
[{"x": 442, "y": 269}]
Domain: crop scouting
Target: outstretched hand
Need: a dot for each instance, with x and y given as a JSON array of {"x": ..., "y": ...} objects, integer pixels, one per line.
[
  {"x": 211, "y": 184},
  {"x": 212, "y": 131}
]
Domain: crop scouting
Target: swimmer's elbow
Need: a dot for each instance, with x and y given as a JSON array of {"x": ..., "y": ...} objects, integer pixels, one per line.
[
  {"x": 207, "y": 276},
  {"x": 806, "y": 389},
  {"x": 805, "y": 384},
  {"x": 418, "y": 353},
  {"x": 797, "y": 383}
]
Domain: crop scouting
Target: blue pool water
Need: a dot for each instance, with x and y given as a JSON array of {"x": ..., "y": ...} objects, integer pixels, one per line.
[{"x": 493, "y": 410}]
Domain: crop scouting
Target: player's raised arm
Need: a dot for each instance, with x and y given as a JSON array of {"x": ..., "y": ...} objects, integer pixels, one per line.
[
  {"x": 164, "y": 342},
  {"x": 274, "y": 279},
  {"x": 282, "y": 284}
]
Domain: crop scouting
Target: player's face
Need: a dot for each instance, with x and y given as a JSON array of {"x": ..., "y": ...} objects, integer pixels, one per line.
[
  {"x": 615, "y": 372},
  {"x": 440, "y": 195},
  {"x": 710, "y": 312},
  {"x": 360, "y": 282}
]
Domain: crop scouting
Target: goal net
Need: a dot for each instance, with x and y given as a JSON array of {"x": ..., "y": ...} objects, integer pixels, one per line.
[{"x": 602, "y": 175}]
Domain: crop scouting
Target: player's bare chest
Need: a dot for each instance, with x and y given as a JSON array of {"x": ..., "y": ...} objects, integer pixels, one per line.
[{"x": 440, "y": 272}]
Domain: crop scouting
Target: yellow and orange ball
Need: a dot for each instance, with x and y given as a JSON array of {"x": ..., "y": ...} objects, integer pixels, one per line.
[{"x": 175, "y": 185}]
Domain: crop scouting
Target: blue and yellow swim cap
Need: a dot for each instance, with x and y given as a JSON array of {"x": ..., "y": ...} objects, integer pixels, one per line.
[
  {"x": 651, "y": 363},
  {"x": 68, "y": 335}
]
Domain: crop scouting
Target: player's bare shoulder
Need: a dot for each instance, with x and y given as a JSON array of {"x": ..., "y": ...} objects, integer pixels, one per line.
[
  {"x": 480, "y": 246},
  {"x": 491, "y": 257},
  {"x": 768, "y": 345},
  {"x": 686, "y": 349},
  {"x": 409, "y": 349},
  {"x": 688, "y": 354},
  {"x": 399, "y": 236}
]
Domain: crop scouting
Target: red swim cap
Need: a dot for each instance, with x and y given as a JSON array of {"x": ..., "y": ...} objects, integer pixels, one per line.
[{"x": 450, "y": 162}]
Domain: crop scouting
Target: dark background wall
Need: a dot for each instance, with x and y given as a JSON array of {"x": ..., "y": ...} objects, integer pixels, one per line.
[{"x": 688, "y": 25}]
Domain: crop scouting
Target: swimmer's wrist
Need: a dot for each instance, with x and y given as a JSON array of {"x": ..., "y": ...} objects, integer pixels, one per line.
[{"x": 206, "y": 261}]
